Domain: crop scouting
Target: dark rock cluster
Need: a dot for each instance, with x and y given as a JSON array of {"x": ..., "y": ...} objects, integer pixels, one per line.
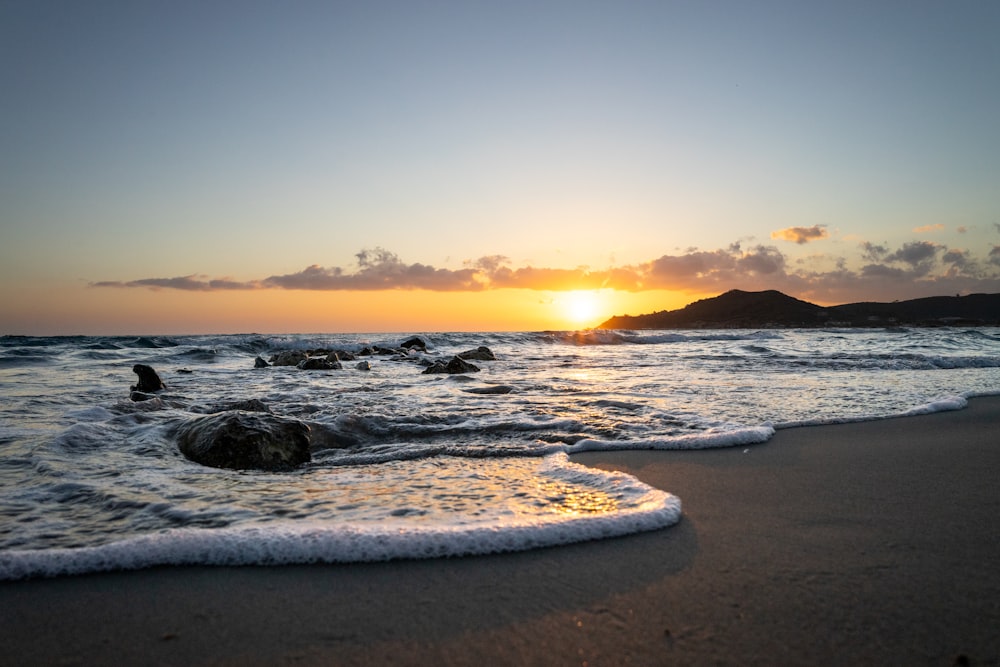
[
  {"x": 411, "y": 349},
  {"x": 245, "y": 435}
]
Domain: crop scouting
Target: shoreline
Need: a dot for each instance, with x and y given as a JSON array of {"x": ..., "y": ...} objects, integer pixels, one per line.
[{"x": 856, "y": 543}]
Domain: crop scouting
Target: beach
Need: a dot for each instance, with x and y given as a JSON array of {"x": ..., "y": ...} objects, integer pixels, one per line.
[{"x": 859, "y": 543}]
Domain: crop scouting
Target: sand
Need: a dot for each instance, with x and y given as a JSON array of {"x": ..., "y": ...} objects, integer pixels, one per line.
[{"x": 874, "y": 543}]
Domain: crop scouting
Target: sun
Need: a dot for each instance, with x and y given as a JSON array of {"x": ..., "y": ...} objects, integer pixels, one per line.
[{"x": 581, "y": 307}]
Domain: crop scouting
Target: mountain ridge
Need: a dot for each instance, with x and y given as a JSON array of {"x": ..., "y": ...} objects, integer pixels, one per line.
[{"x": 773, "y": 309}]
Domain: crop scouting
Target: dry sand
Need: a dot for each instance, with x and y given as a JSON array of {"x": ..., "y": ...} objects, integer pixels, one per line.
[{"x": 856, "y": 544}]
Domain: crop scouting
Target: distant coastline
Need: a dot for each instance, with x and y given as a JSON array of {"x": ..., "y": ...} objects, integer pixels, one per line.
[{"x": 773, "y": 309}]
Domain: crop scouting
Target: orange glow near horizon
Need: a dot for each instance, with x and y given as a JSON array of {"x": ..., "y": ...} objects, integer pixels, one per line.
[{"x": 115, "y": 311}]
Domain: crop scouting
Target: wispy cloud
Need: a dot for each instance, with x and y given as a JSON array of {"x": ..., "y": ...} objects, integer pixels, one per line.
[
  {"x": 801, "y": 235},
  {"x": 926, "y": 229},
  {"x": 192, "y": 283}
]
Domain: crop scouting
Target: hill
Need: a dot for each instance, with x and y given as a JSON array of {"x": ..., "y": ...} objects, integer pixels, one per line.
[{"x": 737, "y": 309}]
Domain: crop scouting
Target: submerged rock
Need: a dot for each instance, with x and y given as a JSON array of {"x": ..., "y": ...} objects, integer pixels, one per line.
[
  {"x": 260, "y": 363},
  {"x": 481, "y": 353},
  {"x": 491, "y": 389},
  {"x": 245, "y": 441},
  {"x": 364, "y": 366},
  {"x": 247, "y": 405},
  {"x": 453, "y": 366}
]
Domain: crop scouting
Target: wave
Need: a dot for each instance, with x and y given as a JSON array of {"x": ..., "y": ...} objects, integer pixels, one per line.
[
  {"x": 659, "y": 337},
  {"x": 629, "y": 506},
  {"x": 736, "y": 437},
  {"x": 900, "y": 361},
  {"x": 943, "y": 404}
]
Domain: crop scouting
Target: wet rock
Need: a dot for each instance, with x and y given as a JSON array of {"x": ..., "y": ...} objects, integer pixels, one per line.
[
  {"x": 260, "y": 363},
  {"x": 490, "y": 389},
  {"x": 288, "y": 358},
  {"x": 149, "y": 381},
  {"x": 452, "y": 366},
  {"x": 481, "y": 353},
  {"x": 318, "y": 364},
  {"x": 364, "y": 366},
  {"x": 245, "y": 441},
  {"x": 414, "y": 344}
]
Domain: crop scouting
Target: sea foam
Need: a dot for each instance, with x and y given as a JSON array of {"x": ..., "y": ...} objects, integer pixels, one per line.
[{"x": 629, "y": 507}]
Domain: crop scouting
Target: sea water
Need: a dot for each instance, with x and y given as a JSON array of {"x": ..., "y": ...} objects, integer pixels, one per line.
[{"x": 411, "y": 465}]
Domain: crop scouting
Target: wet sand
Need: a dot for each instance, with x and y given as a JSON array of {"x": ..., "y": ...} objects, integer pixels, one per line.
[{"x": 871, "y": 543}]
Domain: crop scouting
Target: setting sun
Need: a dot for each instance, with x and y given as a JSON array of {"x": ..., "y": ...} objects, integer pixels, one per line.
[{"x": 582, "y": 307}]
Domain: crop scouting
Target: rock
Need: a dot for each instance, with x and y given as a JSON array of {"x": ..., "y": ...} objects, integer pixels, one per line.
[
  {"x": 318, "y": 364},
  {"x": 260, "y": 363},
  {"x": 248, "y": 405},
  {"x": 491, "y": 389},
  {"x": 481, "y": 353},
  {"x": 414, "y": 343},
  {"x": 364, "y": 366},
  {"x": 341, "y": 355},
  {"x": 288, "y": 358},
  {"x": 245, "y": 441},
  {"x": 140, "y": 396},
  {"x": 453, "y": 366},
  {"x": 149, "y": 381}
]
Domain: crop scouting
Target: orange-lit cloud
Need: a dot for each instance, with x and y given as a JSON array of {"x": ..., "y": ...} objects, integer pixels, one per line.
[
  {"x": 932, "y": 267},
  {"x": 801, "y": 235},
  {"x": 937, "y": 227}
]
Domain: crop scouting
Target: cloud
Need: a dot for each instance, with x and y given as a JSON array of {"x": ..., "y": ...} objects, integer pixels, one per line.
[
  {"x": 961, "y": 229},
  {"x": 912, "y": 269},
  {"x": 801, "y": 235},
  {"x": 379, "y": 269},
  {"x": 882, "y": 271},
  {"x": 703, "y": 270},
  {"x": 561, "y": 279},
  {"x": 918, "y": 255},
  {"x": 957, "y": 257},
  {"x": 192, "y": 283},
  {"x": 914, "y": 253},
  {"x": 873, "y": 252},
  {"x": 937, "y": 227}
]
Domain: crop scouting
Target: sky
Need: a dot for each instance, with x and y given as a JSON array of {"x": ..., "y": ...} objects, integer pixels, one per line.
[{"x": 221, "y": 167}]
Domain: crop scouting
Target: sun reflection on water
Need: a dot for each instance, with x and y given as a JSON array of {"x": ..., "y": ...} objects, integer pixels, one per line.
[{"x": 472, "y": 491}]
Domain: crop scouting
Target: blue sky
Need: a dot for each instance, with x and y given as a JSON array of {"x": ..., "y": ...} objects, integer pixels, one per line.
[{"x": 691, "y": 146}]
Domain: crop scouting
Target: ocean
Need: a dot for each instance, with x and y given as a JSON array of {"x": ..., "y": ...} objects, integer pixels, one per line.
[{"x": 413, "y": 465}]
